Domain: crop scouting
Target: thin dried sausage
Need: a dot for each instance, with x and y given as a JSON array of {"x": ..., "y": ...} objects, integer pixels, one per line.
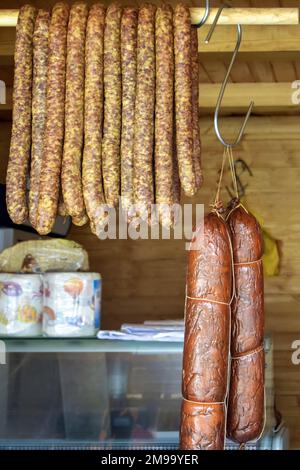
[
  {"x": 128, "y": 59},
  {"x": 72, "y": 153},
  {"x": 163, "y": 155},
  {"x": 112, "y": 105},
  {"x": 19, "y": 154},
  {"x": 144, "y": 111},
  {"x": 195, "y": 108},
  {"x": 183, "y": 98},
  {"x": 54, "y": 130},
  {"x": 39, "y": 87},
  {"x": 93, "y": 114}
]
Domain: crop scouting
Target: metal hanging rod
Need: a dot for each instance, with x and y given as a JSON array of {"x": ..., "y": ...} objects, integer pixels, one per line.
[{"x": 232, "y": 16}]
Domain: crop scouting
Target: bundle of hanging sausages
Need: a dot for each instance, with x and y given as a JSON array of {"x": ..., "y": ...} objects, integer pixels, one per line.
[
  {"x": 223, "y": 365},
  {"x": 99, "y": 95}
]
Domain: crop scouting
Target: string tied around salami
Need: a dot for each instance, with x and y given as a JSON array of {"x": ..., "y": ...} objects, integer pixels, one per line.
[{"x": 248, "y": 353}]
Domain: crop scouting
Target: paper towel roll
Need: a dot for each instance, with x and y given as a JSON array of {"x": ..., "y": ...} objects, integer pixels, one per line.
[
  {"x": 21, "y": 304},
  {"x": 71, "y": 304}
]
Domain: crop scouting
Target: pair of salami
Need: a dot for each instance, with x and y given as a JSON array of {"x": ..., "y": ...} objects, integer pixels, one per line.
[{"x": 223, "y": 364}]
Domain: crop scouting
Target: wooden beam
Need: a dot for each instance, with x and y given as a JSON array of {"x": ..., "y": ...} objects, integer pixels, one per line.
[
  {"x": 229, "y": 16},
  {"x": 266, "y": 97},
  {"x": 8, "y": 18},
  {"x": 254, "y": 16},
  {"x": 255, "y": 39}
]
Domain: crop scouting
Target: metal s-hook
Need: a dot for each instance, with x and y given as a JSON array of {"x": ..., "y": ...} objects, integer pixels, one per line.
[
  {"x": 205, "y": 16},
  {"x": 224, "y": 84}
]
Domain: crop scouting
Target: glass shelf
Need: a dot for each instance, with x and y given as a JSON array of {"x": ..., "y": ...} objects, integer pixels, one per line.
[{"x": 30, "y": 345}]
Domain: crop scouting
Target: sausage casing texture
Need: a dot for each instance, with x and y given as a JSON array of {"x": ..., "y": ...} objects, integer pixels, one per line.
[
  {"x": 207, "y": 320},
  {"x": 246, "y": 398},
  {"x": 128, "y": 59},
  {"x": 93, "y": 114},
  {"x": 74, "y": 111},
  {"x": 39, "y": 88},
  {"x": 163, "y": 153},
  {"x": 112, "y": 105},
  {"x": 183, "y": 98},
  {"x": 202, "y": 426},
  {"x": 195, "y": 108},
  {"x": 248, "y": 303},
  {"x": 144, "y": 111},
  {"x": 245, "y": 418},
  {"x": 54, "y": 130},
  {"x": 19, "y": 154}
]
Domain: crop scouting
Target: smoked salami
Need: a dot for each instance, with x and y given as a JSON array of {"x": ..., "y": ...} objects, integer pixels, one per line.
[
  {"x": 128, "y": 59},
  {"x": 112, "y": 105},
  {"x": 183, "y": 98},
  {"x": 93, "y": 118},
  {"x": 144, "y": 111},
  {"x": 39, "y": 88},
  {"x": 202, "y": 426},
  {"x": 74, "y": 109},
  {"x": 19, "y": 154},
  {"x": 207, "y": 337},
  {"x": 163, "y": 154},
  {"x": 54, "y": 130},
  {"x": 246, "y": 399}
]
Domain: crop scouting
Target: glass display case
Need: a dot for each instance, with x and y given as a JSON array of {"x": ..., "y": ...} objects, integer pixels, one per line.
[{"x": 94, "y": 394}]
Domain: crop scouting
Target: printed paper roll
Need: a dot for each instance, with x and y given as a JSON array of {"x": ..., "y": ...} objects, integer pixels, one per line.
[
  {"x": 71, "y": 304},
  {"x": 21, "y": 304}
]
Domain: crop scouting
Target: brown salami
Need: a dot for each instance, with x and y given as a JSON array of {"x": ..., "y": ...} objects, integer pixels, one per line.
[
  {"x": 54, "y": 130},
  {"x": 183, "y": 98},
  {"x": 93, "y": 113},
  {"x": 164, "y": 196},
  {"x": 246, "y": 398},
  {"x": 128, "y": 59},
  {"x": 202, "y": 426},
  {"x": 144, "y": 111},
  {"x": 245, "y": 419},
  {"x": 72, "y": 152},
  {"x": 39, "y": 88},
  {"x": 112, "y": 105},
  {"x": 19, "y": 154},
  {"x": 195, "y": 108},
  {"x": 207, "y": 332}
]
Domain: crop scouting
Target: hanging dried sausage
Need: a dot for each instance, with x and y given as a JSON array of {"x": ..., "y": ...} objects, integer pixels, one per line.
[
  {"x": 112, "y": 105},
  {"x": 195, "y": 108},
  {"x": 144, "y": 111},
  {"x": 128, "y": 59},
  {"x": 19, "y": 154},
  {"x": 93, "y": 109},
  {"x": 39, "y": 87},
  {"x": 183, "y": 98},
  {"x": 54, "y": 130},
  {"x": 163, "y": 153},
  {"x": 72, "y": 152}
]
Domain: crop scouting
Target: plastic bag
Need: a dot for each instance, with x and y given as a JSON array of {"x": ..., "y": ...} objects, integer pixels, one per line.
[{"x": 39, "y": 256}]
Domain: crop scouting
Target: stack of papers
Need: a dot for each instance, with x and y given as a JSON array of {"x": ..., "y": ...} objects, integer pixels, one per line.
[{"x": 165, "y": 330}]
